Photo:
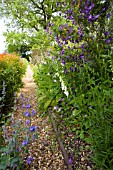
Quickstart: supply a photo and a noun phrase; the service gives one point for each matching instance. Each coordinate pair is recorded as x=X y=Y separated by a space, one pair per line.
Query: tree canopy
x=30 y=14
x=30 y=17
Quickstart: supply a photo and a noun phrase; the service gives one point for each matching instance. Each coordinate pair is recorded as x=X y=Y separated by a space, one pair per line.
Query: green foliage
x=29 y=14
x=49 y=87
x=11 y=72
x=84 y=68
x=78 y=84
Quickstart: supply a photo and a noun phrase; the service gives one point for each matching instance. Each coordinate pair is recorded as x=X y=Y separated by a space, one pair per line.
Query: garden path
x=45 y=150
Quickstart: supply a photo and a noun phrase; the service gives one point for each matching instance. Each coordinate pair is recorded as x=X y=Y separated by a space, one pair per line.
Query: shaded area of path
x=45 y=150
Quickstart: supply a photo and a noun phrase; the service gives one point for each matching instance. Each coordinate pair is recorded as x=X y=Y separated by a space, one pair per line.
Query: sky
x=2 y=38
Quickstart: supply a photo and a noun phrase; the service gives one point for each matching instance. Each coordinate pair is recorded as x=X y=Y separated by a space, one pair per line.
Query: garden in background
x=69 y=46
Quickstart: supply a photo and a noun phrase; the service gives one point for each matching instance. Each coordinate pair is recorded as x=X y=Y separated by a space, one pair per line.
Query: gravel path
x=45 y=149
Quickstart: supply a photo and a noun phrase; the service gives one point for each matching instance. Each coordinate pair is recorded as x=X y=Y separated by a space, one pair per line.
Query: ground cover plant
x=17 y=137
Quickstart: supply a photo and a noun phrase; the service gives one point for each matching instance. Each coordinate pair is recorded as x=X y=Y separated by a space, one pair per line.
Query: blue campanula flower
x=66 y=71
x=71 y=69
x=25 y=142
x=28 y=106
x=63 y=51
x=63 y=63
x=108 y=40
x=32 y=128
x=33 y=112
x=27 y=122
x=106 y=33
x=27 y=114
x=92 y=6
x=29 y=159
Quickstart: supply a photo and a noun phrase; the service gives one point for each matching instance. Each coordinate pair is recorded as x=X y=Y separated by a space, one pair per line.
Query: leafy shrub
x=49 y=87
x=11 y=72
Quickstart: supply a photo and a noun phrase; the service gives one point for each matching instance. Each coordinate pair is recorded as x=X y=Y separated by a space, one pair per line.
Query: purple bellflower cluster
x=21 y=133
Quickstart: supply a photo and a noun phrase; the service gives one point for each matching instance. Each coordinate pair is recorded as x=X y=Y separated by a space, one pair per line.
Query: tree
x=30 y=14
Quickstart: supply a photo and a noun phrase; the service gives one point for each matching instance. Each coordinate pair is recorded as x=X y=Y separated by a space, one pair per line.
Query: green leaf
x=2 y=167
x=41 y=98
x=36 y=136
x=15 y=160
x=47 y=103
x=4 y=149
x=76 y=112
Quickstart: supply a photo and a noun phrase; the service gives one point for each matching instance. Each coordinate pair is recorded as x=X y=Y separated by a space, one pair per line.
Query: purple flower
x=103 y=9
x=70 y=17
x=75 y=69
x=28 y=106
x=108 y=40
x=21 y=96
x=108 y=15
x=63 y=51
x=53 y=58
x=66 y=71
x=29 y=159
x=50 y=32
x=18 y=149
x=95 y=17
x=63 y=62
x=82 y=46
x=59 y=58
x=27 y=122
x=49 y=24
x=72 y=88
x=25 y=142
x=81 y=56
x=47 y=29
x=33 y=137
x=73 y=22
x=32 y=128
x=27 y=114
x=71 y=69
x=33 y=112
x=4 y=128
x=92 y=5
x=67 y=57
x=106 y=33
x=70 y=161
x=23 y=106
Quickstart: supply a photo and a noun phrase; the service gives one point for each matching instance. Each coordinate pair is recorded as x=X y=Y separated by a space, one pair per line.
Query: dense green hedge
x=11 y=72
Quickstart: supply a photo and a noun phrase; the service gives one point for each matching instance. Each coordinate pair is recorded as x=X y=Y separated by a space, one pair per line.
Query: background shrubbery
x=11 y=72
